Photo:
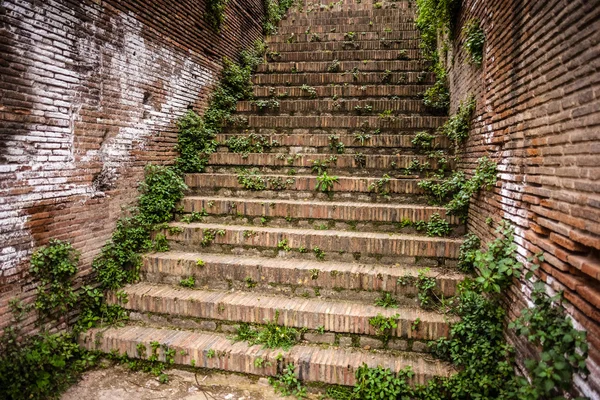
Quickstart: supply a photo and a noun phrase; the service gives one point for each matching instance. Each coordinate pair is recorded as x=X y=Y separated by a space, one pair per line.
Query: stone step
x=294 y=210
x=333 y=316
x=216 y=351
x=341 y=36
x=318 y=140
x=348 y=188
x=322 y=14
x=342 y=77
x=363 y=65
x=302 y=278
x=390 y=18
x=346 y=55
x=378 y=162
x=357 y=44
x=331 y=6
x=341 y=91
x=305 y=107
x=335 y=244
x=344 y=28
x=346 y=121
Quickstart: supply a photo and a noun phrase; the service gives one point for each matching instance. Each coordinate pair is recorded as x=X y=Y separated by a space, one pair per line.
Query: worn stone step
x=216 y=351
x=344 y=28
x=405 y=248
x=341 y=91
x=257 y=308
x=341 y=36
x=352 y=212
x=344 y=161
x=361 y=65
x=331 y=6
x=346 y=121
x=301 y=141
x=358 y=44
x=325 y=14
x=347 y=188
x=343 y=106
x=343 y=77
x=346 y=55
x=303 y=278
x=376 y=17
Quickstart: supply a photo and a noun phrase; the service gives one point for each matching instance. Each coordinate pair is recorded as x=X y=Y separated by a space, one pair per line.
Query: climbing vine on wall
x=474 y=40
x=215 y=13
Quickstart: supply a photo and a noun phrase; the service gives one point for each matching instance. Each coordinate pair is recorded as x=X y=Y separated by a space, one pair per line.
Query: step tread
x=261 y=307
x=307 y=265
x=314 y=363
x=313 y=232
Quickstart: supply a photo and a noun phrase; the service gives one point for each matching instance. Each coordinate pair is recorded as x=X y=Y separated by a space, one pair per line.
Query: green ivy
x=435 y=18
x=466 y=256
x=274 y=12
x=457 y=127
x=438 y=96
x=474 y=41
x=215 y=13
x=54 y=266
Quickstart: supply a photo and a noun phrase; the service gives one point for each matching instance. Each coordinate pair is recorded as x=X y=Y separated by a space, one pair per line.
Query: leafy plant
x=334 y=66
x=438 y=96
x=287 y=384
x=312 y=92
x=384 y=325
x=474 y=41
x=386 y=300
x=320 y=254
x=381 y=383
x=457 y=127
x=188 y=282
x=425 y=286
x=274 y=12
x=423 y=140
x=381 y=186
x=54 y=267
x=468 y=248
x=325 y=182
x=215 y=13
x=270 y=335
x=437 y=226
x=251 y=179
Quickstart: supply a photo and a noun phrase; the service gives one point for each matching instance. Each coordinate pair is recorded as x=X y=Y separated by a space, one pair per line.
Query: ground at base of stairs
x=118 y=383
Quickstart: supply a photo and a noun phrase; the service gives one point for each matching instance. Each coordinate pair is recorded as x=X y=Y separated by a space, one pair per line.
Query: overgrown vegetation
x=476 y=344
x=275 y=11
x=474 y=41
x=287 y=384
x=215 y=13
x=270 y=335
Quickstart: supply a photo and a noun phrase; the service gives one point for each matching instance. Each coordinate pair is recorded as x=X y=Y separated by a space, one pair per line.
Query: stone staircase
x=316 y=261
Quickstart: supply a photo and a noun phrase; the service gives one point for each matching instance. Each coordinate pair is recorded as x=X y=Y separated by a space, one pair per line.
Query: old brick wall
x=538 y=116
x=89 y=91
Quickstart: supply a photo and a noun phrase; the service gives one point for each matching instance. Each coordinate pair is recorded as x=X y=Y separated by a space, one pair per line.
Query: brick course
x=537 y=115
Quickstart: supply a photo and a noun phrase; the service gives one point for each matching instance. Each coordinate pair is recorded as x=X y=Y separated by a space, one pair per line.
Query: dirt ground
x=118 y=383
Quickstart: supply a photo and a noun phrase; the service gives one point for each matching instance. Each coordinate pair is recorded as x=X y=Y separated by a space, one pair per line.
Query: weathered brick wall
x=89 y=91
x=538 y=113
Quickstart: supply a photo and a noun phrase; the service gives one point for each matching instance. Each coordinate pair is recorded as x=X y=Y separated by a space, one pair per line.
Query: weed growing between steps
x=270 y=335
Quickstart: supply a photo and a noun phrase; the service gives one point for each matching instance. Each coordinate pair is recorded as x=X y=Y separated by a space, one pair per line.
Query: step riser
x=233 y=308
x=340 y=37
x=381 y=142
x=394 y=66
x=326 y=78
x=392 y=18
x=350 y=6
x=342 y=92
x=346 y=187
x=344 y=161
x=313 y=337
x=320 y=212
x=312 y=364
x=360 y=44
x=308 y=107
x=398 y=122
x=329 y=242
x=359 y=283
x=345 y=55
x=406 y=26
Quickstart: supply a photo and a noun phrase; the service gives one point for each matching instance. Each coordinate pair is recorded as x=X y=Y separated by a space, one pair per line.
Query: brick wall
x=89 y=91
x=538 y=116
